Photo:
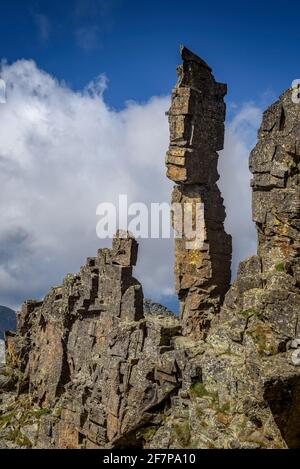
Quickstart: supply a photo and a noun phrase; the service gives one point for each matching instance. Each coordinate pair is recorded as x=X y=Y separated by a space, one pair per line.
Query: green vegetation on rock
x=182 y=432
x=279 y=267
x=198 y=390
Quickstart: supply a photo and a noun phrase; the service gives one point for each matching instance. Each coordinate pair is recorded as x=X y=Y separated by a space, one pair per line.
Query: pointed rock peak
x=189 y=56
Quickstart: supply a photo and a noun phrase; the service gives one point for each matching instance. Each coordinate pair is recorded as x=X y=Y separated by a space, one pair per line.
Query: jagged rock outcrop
x=248 y=395
x=152 y=308
x=196 y=119
x=88 y=351
x=266 y=292
x=95 y=366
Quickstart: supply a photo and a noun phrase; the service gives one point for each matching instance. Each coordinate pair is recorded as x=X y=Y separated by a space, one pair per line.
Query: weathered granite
x=87 y=350
x=196 y=119
x=247 y=393
x=156 y=309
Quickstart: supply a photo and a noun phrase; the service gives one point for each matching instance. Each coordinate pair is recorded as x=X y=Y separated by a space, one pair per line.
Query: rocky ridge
x=88 y=368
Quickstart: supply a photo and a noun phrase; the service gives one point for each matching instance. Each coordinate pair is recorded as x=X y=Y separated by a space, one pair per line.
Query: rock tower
x=196 y=119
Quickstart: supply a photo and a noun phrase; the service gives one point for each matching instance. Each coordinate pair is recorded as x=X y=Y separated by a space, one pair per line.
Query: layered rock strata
x=202 y=267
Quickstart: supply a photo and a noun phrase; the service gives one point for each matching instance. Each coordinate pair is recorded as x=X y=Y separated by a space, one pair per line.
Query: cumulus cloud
x=63 y=152
x=240 y=137
x=2 y=91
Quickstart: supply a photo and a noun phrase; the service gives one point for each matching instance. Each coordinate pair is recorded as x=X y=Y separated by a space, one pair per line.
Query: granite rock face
x=87 y=353
x=94 y=365
x=156 y=309
x=7 y=320
x=202 y=267
x=247 y=390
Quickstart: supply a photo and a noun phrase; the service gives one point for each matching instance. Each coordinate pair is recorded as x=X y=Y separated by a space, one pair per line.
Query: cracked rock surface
x=94 y=365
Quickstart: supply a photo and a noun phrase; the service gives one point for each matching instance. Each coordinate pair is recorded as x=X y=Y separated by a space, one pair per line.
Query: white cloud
x=2 y=91
x=235 y=178
x=63 y=152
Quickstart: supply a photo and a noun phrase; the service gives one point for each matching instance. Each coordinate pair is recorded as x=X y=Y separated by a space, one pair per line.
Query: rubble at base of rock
x=94 y=365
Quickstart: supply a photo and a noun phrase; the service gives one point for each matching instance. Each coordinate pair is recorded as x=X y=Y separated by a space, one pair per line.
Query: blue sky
x=253 y=46
x=63 y=150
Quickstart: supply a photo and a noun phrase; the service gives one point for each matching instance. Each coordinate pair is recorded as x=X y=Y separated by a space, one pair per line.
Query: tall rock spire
x=196 y=120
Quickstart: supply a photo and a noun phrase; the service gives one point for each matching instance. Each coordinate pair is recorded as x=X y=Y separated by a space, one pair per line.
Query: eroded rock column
x=196 y=119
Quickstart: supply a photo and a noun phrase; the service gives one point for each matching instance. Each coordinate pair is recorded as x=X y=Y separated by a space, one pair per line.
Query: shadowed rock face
x=110 y=370
x=196 y=119
x=274 y=163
